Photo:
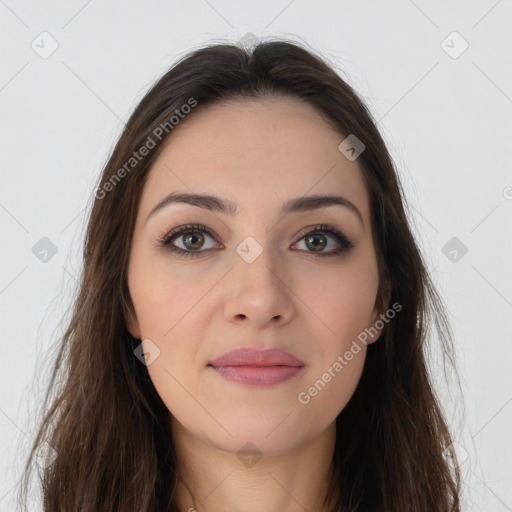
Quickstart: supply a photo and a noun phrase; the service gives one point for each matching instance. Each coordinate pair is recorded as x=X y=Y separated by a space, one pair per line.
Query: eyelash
x=345 y=243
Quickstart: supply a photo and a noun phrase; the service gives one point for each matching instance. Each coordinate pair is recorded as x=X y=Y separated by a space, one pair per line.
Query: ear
x=379 y=318
x=377 y=322
x=132 y=325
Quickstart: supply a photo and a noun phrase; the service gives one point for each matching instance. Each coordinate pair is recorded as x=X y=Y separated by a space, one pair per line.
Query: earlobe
x=379 y=317
x=132 y=325
x=376 y=326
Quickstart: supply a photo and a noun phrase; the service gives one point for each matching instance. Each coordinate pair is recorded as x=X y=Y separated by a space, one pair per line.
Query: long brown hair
x=103 y=417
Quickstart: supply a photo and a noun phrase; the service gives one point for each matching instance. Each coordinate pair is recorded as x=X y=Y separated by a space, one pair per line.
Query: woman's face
x=255 y=278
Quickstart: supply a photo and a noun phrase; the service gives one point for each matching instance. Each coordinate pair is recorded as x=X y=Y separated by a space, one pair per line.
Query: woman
x=251 y=323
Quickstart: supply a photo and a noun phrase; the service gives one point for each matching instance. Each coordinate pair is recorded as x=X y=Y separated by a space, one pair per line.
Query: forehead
x=257 y=152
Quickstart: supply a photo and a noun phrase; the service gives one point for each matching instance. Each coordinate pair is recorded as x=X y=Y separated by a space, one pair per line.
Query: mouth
x=258 y=375
x=255 y=367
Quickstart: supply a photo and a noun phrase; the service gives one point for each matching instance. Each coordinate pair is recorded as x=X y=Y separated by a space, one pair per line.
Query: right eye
x=192 y=238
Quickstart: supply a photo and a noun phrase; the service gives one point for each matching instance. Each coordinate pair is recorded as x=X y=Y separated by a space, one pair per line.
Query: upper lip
x=248 y=356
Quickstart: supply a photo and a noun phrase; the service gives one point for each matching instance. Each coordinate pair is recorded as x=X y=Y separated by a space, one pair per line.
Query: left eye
x=318 y=240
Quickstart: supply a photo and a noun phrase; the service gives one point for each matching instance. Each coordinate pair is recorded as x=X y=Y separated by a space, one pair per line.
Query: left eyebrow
x=213 y=203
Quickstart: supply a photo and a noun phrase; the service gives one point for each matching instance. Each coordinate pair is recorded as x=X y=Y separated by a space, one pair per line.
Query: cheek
x=163 y=297
x=345 y=308
x=330 y=390
x=345 y=301
x=168 y=308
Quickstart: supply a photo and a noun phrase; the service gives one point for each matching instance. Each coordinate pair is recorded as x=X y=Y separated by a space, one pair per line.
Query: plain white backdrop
x=436 y=75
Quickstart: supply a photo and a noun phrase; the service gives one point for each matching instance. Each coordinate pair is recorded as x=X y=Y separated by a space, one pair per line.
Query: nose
x=259 y=293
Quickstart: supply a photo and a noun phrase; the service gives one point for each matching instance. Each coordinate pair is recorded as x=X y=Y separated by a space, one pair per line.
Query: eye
x=317 y=239
x=191 y=237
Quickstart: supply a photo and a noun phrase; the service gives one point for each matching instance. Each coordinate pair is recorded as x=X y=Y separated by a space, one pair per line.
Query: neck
x=213 y=479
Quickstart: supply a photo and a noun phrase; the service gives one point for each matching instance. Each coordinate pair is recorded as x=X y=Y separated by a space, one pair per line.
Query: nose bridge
x=256 y=264
x=259 y=291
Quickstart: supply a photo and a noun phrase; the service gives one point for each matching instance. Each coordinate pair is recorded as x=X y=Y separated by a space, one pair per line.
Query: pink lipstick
x=257 y=367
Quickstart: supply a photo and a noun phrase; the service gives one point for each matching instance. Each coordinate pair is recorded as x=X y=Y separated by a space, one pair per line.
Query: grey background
x=445 y=114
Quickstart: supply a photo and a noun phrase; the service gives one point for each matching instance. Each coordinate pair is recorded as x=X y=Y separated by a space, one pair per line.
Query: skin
x=257 y=153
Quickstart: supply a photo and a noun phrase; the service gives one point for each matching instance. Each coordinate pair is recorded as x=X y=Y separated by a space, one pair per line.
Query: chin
x=270 y=437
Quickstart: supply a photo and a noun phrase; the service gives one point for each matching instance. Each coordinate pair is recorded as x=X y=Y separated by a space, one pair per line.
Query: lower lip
x=258 y=375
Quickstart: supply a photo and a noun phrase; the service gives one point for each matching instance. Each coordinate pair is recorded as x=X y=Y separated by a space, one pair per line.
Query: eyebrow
x=216 y=204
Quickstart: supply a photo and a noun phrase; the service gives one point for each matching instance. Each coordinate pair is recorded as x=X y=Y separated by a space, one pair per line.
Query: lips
x=253 y=367
x=257 y=358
